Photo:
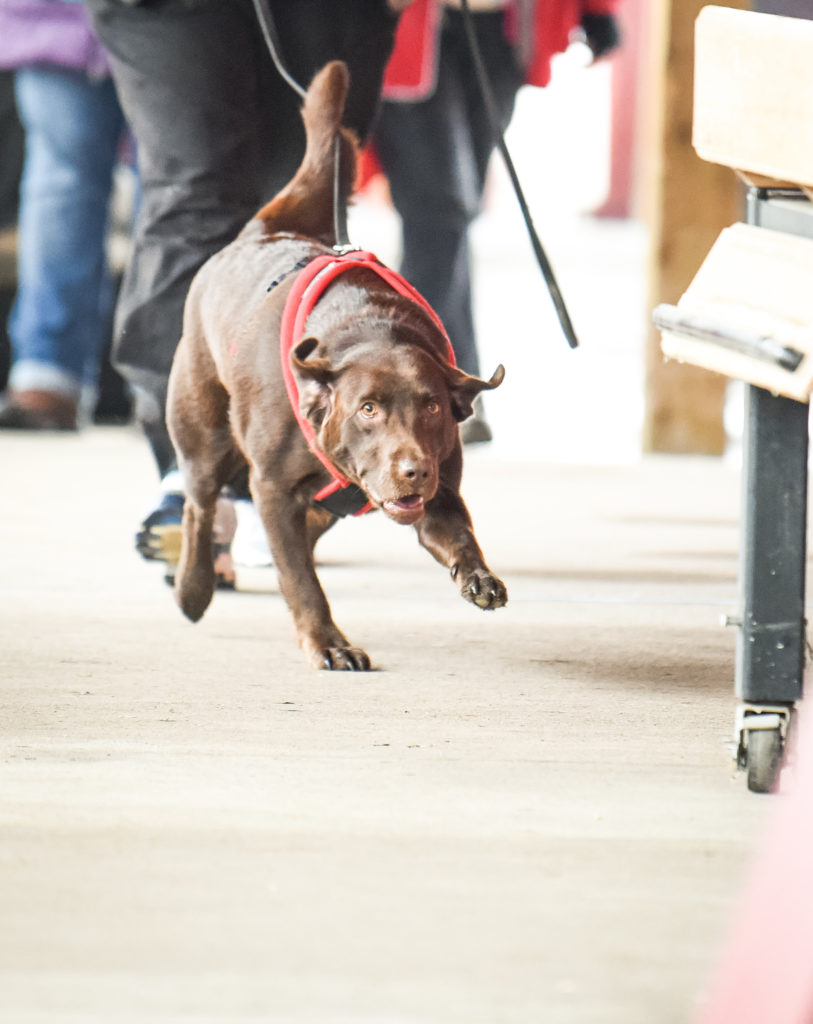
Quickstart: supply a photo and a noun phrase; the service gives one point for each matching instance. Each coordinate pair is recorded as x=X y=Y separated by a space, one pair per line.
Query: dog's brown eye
x=369 y=409
x=433 y=407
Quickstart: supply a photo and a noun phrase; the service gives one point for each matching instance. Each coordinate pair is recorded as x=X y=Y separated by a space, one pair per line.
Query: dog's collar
x=341 y=497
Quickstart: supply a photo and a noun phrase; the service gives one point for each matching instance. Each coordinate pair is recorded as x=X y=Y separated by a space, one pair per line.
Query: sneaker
x=159 y=538
x=251 y=541
x=224 y=530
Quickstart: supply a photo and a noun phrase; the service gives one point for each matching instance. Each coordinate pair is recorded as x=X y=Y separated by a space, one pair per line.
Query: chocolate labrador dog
x=333 y=380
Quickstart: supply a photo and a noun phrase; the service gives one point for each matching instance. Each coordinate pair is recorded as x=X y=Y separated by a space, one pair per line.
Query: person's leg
x=192 y=103
x=311 y=35
x=11 y=151
x=188 y=79
x=72 y=128
x=436 y=155
x=505 y=79
x=426 y=154
x=504 y=76
x=217 y=131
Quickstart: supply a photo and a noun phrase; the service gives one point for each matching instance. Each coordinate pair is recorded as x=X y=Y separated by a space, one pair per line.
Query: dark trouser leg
x=425 y=151
x=435 y=154
x=186 y=98
x=217 y=131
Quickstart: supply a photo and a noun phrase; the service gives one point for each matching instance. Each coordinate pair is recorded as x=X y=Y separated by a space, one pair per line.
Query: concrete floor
x=523 y=816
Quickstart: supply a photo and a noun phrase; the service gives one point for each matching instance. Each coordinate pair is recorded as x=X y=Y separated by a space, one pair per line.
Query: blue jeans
x=73 y=126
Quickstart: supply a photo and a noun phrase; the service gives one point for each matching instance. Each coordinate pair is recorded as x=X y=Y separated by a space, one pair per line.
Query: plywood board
x=754 y=282
x=753 y=93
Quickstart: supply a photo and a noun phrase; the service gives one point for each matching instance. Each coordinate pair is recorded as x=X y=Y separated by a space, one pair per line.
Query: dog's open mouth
x=405 y=510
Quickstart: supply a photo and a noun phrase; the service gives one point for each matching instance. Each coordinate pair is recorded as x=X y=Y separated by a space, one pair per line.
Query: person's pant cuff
x=33 y=375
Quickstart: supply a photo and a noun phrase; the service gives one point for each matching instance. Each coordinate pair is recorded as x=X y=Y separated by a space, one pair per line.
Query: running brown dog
x=376 y=390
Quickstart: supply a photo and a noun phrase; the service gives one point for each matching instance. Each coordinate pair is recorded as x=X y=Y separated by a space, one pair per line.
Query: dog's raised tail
x=305 y=205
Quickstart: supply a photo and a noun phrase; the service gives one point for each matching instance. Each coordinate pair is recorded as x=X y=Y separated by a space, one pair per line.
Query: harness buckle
x=347 y=247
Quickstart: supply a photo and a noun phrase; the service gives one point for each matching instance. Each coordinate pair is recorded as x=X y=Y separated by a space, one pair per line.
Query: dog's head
x=386 y=417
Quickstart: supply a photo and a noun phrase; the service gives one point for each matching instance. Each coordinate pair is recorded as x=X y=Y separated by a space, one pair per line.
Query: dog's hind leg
x=195 y=577
x=208 y=459
x=204 y=479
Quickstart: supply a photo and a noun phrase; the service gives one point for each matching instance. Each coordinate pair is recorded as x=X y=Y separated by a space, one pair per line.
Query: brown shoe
x=38 y=410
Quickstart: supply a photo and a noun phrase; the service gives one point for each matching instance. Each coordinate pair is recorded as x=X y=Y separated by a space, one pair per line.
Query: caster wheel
x=764 y=753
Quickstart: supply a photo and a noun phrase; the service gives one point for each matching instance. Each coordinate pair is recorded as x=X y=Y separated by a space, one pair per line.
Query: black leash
x=269 y=30
x=343 y=244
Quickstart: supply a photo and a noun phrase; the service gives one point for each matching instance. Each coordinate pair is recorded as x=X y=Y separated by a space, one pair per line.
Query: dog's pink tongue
x=412 y=501
x=409 y=508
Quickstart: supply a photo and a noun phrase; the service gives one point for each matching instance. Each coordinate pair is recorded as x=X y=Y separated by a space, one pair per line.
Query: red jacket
x=410 y=73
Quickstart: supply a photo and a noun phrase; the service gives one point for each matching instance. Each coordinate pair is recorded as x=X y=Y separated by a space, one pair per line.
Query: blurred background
x=554 y=398
x=626 y=211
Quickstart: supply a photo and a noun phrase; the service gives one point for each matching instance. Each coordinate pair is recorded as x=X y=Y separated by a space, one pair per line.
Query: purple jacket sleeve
x=51 y=32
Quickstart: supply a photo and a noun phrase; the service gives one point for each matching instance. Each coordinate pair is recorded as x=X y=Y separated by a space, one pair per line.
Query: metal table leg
x=771 y=642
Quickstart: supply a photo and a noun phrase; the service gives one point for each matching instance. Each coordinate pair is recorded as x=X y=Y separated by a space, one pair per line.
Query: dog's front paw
x=482 y=589
x=346 y=659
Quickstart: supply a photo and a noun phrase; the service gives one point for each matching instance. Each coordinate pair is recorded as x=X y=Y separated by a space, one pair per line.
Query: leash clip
x=343 y=250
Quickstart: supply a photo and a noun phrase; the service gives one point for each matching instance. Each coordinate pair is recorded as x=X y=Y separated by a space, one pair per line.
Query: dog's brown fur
x=374 y=382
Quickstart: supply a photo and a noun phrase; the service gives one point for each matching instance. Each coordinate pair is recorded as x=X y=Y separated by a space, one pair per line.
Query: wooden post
x=688 y=203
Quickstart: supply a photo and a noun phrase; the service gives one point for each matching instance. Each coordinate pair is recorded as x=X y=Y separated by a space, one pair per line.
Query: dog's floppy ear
x=315 y=376
x=315 y=368
x=463 y=389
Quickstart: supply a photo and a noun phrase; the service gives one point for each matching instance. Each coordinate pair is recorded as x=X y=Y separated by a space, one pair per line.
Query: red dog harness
x=341 y=497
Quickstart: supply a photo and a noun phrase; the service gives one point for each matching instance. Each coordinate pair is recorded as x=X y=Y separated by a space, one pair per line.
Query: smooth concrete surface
x=523 y=817
x=528 y=816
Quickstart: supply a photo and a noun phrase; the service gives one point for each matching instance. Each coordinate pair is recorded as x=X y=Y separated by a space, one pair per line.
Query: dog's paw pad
x=484 y=590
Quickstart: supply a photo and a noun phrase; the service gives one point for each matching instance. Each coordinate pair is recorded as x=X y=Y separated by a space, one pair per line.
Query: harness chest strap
x=341 y=496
